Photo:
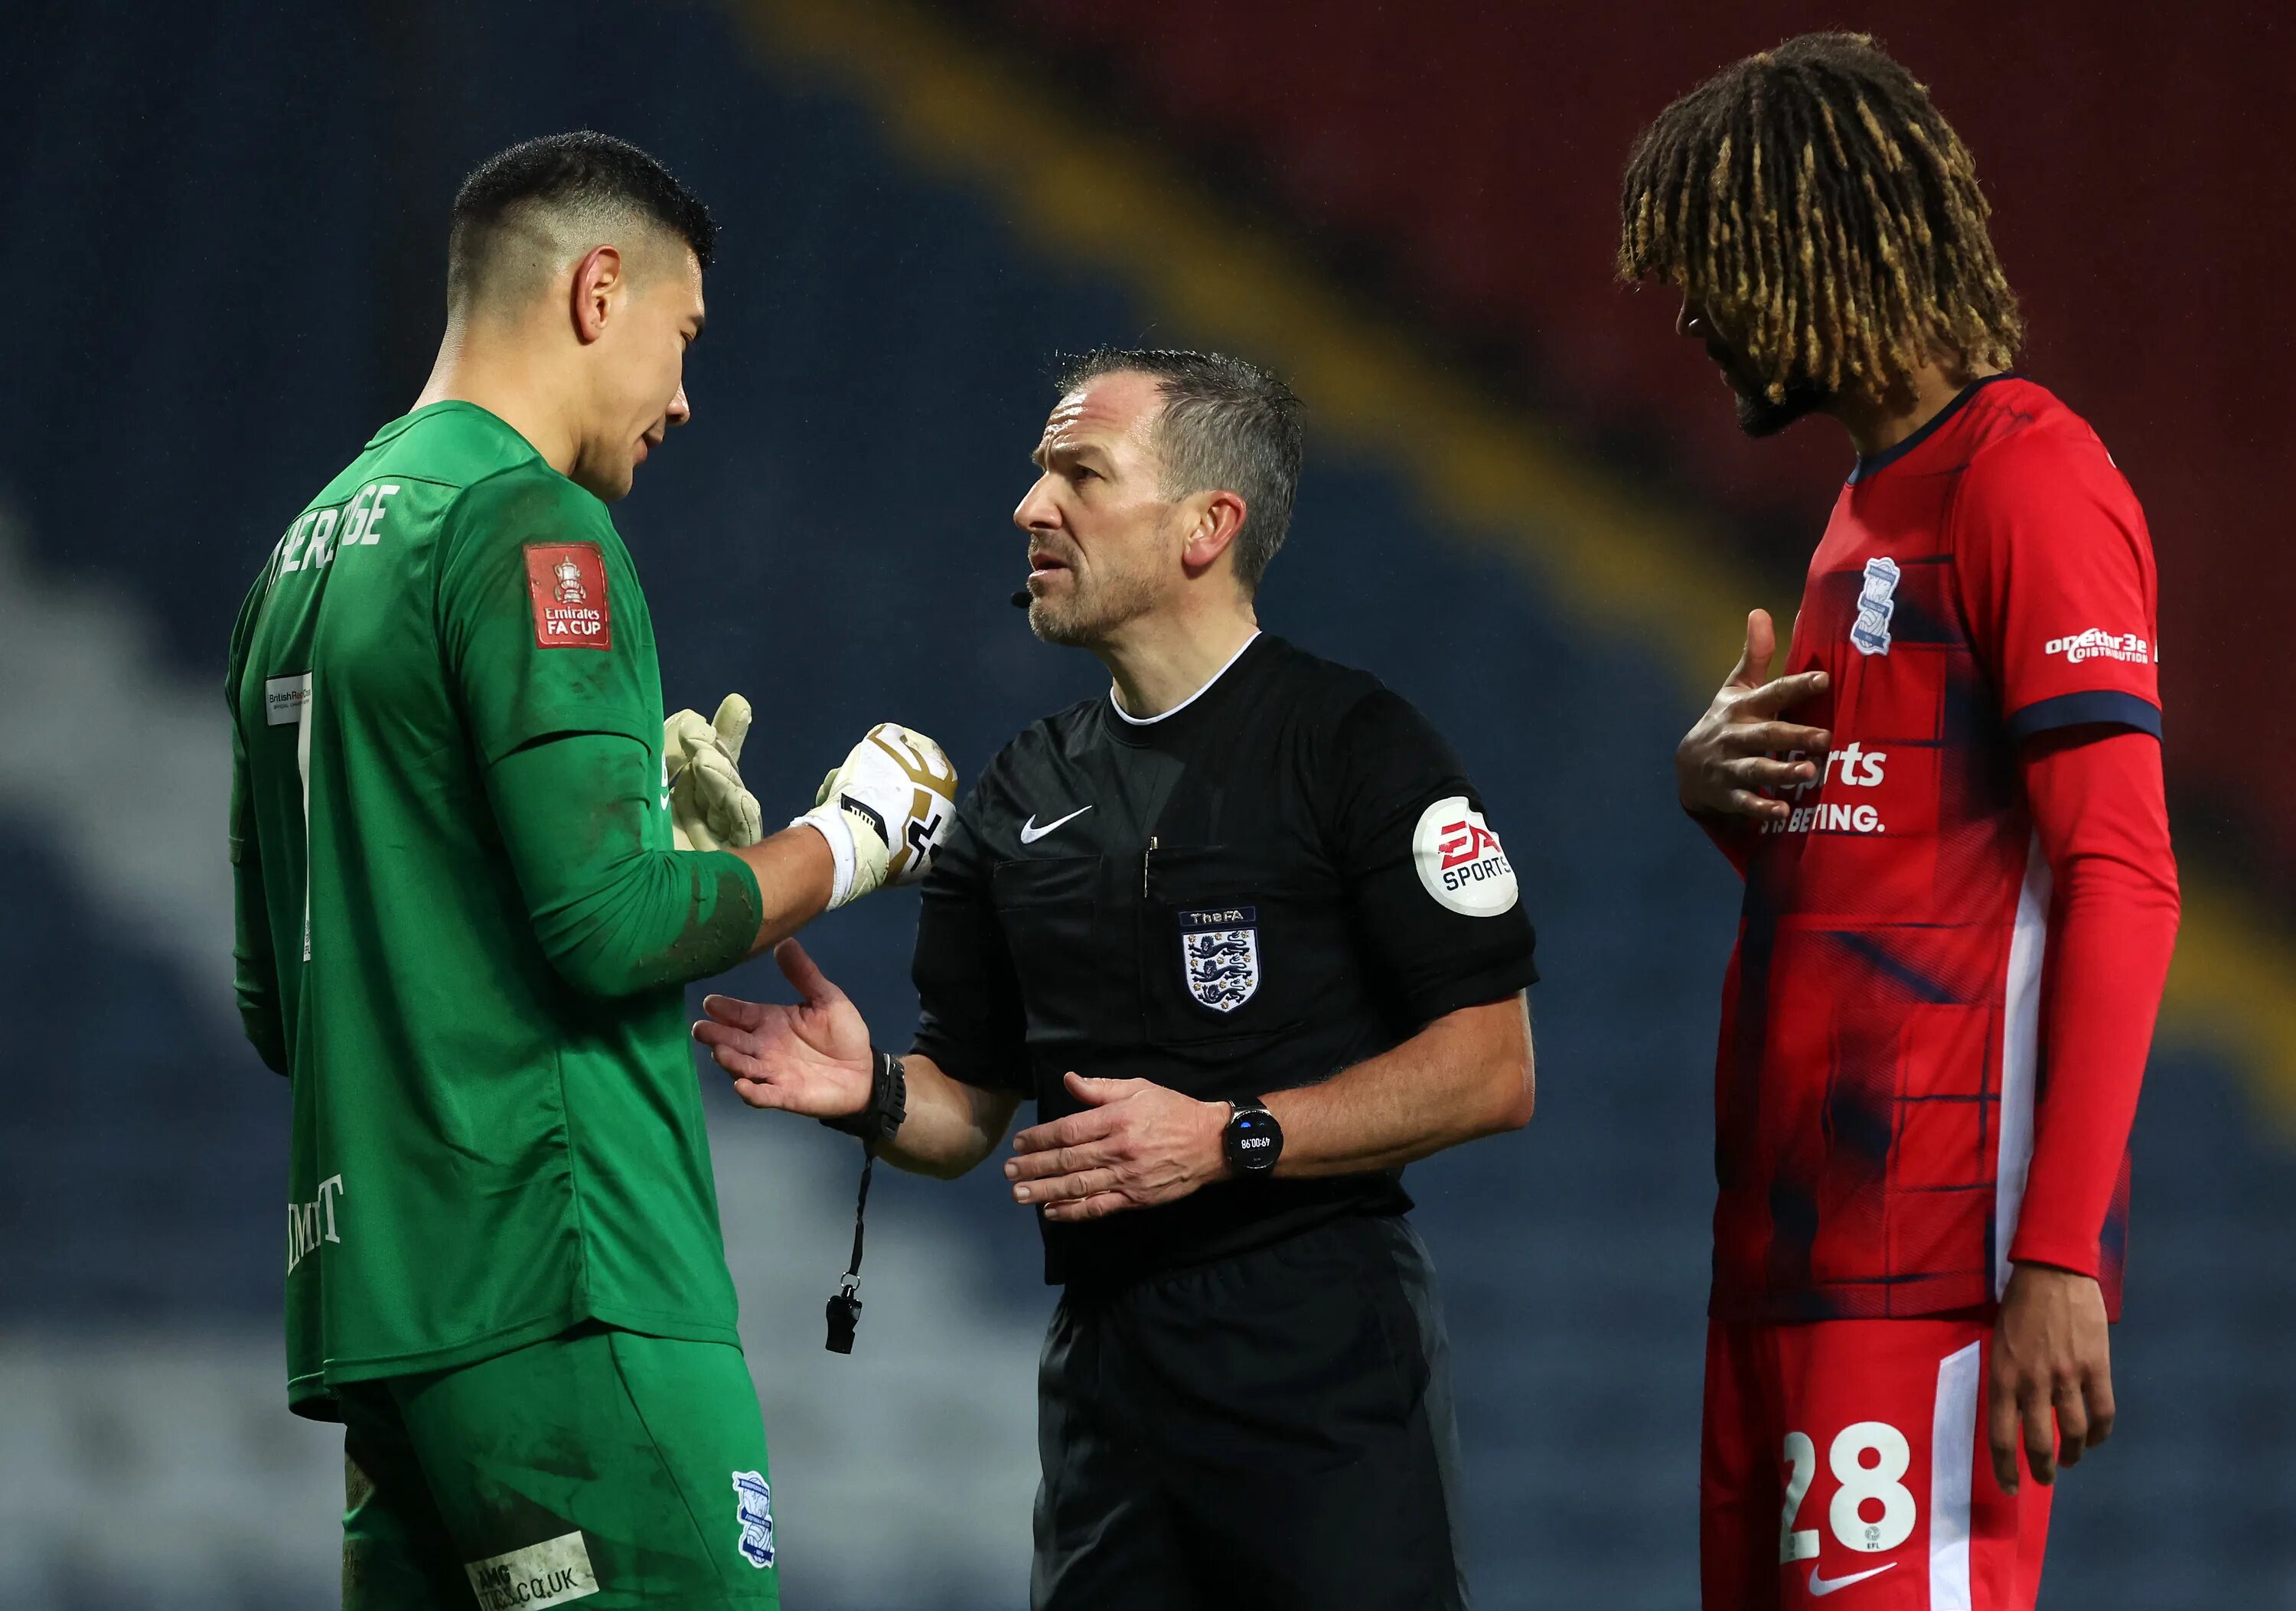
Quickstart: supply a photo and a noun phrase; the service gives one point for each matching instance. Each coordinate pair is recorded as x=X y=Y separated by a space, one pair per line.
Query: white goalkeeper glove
x=885 y=811
x=708 y=808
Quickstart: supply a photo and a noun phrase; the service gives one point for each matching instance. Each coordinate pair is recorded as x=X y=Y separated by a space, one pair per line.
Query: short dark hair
x=583 y=170
x=1816 y=191
x=1225 y=424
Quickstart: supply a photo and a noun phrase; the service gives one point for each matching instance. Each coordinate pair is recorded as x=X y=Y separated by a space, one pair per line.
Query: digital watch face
x=1254 y=1141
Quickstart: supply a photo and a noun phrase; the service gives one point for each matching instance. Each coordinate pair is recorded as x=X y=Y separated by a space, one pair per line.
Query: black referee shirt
x=1283 y=876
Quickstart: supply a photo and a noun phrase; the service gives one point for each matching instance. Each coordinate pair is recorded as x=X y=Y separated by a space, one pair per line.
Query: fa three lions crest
x=1219 y=955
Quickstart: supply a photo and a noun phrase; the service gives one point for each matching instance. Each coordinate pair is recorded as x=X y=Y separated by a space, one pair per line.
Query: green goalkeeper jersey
x=448 y=798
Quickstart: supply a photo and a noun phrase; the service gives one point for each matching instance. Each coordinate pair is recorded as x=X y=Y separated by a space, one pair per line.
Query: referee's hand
x=1724 y=761
x=811 y=1059
x=1136 y=1144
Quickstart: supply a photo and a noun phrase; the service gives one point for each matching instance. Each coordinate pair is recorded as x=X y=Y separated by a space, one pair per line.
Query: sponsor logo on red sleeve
x=568 y=584
x=2097 y=644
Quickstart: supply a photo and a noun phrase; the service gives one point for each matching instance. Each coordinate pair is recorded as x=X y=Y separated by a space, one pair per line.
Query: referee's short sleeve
x=971 y=1021
x=1435 y=904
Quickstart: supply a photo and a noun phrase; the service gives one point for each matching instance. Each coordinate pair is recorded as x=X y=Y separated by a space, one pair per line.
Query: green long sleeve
x=613 y=914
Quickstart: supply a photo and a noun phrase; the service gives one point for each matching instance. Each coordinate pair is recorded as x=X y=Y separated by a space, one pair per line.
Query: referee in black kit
x=1241 y=932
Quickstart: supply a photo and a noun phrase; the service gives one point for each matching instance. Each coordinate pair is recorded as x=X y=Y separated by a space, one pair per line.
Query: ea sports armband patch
x=568 y=584
x=1460 y=862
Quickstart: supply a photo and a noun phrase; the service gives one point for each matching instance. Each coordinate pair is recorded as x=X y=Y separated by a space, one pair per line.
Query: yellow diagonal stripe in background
x=1619 y=560
x=1087 y=195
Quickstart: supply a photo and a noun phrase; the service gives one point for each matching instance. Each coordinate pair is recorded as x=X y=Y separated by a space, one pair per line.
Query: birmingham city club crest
x=1877 y=602
x=753 y=1499
x=1219 y=953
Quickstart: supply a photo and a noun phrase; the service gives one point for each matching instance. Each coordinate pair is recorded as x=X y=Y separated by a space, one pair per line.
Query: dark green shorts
x=600 y=1466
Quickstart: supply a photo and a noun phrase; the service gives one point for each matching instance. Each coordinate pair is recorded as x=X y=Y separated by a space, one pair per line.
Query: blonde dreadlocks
x=1814 y=201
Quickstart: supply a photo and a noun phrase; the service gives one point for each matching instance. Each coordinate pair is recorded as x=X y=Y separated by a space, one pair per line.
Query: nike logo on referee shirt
x=1031 y=833
x=1819 y=1587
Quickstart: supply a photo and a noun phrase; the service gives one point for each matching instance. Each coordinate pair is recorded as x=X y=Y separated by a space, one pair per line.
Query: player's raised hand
x=1735 y=749
x=2050 y=1386
x=885 y=811
x=710 y=809
x=1137 y=1144
x=812 y=1057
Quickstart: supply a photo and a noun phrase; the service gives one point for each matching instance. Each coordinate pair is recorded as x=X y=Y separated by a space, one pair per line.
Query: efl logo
x=1460 y=862
x=568 y=584
x=2097 y=644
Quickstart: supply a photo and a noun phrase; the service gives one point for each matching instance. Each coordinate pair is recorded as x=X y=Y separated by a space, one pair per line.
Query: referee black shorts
x=1272 y=1430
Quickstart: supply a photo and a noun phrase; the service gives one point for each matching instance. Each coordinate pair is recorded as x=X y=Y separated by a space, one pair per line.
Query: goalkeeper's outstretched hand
x=709 y=810
x=885 y=811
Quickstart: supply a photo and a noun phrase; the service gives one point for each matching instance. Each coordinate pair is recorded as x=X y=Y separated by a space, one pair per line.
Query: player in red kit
x=1960 y=895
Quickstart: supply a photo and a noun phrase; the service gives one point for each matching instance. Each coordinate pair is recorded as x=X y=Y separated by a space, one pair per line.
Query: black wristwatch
x=1253 y=1139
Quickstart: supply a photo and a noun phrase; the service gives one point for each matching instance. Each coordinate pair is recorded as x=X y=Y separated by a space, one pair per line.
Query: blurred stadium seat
x=206 y=200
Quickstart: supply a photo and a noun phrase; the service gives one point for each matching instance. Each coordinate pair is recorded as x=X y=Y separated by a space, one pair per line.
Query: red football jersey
x=1988 y=579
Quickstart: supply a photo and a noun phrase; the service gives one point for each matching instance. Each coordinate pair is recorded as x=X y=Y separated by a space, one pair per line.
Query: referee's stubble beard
x=1081 y=609
x=1107 y=549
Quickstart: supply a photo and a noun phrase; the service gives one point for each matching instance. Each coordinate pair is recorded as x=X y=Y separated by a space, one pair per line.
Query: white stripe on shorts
x=1953 y=1464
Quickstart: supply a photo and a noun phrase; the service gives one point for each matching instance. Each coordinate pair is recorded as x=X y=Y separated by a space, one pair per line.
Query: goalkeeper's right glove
x=885 y=811
x=709 y=810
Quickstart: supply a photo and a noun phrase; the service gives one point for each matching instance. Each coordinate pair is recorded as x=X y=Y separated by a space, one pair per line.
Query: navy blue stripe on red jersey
x=2088 y=705
x=1919 y=985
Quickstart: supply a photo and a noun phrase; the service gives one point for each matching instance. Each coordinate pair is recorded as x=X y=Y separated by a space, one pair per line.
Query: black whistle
x=844 y=1315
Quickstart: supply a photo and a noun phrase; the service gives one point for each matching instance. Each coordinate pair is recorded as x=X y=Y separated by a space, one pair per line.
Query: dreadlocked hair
x=1814 y=201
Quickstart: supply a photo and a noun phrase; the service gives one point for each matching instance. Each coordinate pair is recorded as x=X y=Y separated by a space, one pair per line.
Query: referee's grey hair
x=1226 y=425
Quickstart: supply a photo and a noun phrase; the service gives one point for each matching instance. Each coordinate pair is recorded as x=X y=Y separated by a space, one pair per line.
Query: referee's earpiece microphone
x=1020 y=598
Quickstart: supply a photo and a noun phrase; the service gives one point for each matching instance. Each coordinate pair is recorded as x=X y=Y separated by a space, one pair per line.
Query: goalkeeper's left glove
x=885 y=811
x=709 y=810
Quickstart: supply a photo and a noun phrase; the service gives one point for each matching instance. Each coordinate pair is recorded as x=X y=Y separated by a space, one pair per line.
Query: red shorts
x=1849 y=1456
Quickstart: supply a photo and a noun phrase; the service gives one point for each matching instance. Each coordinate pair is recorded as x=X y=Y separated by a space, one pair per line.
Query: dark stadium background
x=1524 y=508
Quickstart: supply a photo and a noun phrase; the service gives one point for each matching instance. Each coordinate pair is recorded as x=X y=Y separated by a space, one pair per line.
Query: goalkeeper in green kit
x=467 y=908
